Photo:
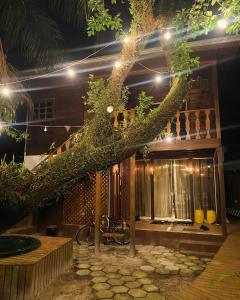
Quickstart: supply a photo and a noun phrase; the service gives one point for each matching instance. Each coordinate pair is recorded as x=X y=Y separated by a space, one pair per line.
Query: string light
x=117 y=64
x=222 y=23
x=71 y=73
x=167 y=35
x=168 y=139
x=110 y=109
x=5 y=92
x=45 y=129
x=158 y=78
x=126 y=40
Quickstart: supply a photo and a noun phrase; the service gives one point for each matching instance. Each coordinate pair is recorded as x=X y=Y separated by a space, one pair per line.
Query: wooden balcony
x=190 y=129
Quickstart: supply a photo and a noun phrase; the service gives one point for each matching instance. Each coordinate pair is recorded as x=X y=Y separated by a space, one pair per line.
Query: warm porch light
x=169 y=139
x=110 y=109
x=117 y=64
x=45 y=129
x=222 y=23
x=158 y=78
x=5 y=92
x=167 y=35
x=126 y=40
x=71 y=73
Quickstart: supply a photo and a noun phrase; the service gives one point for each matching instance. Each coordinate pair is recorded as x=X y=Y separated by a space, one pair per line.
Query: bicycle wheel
x=85 y=235
x=126 y=231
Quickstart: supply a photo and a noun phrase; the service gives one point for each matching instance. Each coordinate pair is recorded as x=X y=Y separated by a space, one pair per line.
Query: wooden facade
x=194 y=132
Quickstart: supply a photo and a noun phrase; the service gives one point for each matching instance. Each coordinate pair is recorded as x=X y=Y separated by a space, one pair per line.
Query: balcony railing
x=186 y=125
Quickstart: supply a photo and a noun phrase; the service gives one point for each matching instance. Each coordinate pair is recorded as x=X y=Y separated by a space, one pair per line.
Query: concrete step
x=199 y=246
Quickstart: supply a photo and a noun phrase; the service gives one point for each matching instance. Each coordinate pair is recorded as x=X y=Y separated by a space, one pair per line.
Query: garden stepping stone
x=96 y=263
x=101 y=286
x=150 y=288
x=96 y=268
x=173 y=269
x=139 y=274
x=114 y=281
x=133 y=284
x=119 y=289
x=110 y=269
x=127 y=278
x=97 y=273
x=83 y=266
x=99 y=279
x=122 y=297
x=154 y=296
x=147 y=268
x=125 y=272
x=137 y=293
x=162 y=271
x=113 y=275
x=104 y=294
x=186 y=272
x=145 y=281
x=83 y=272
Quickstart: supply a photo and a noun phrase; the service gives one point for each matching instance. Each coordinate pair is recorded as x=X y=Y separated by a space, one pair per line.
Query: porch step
x=199 y=246
x=198 y=253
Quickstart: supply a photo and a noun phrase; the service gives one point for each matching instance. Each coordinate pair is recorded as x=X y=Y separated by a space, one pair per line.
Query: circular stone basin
x=14 y=245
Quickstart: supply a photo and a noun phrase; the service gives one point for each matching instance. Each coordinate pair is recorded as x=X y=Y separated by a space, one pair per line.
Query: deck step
x=200 y=246
x=113 y=234
x=198 y=253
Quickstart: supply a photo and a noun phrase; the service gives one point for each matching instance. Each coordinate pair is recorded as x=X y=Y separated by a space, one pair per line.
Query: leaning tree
x=98 y=145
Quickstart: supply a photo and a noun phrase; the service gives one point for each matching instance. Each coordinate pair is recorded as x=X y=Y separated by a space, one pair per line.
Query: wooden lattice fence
x=79 y=204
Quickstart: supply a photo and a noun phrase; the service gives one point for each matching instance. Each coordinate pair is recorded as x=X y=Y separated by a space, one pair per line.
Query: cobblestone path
x=153 y=274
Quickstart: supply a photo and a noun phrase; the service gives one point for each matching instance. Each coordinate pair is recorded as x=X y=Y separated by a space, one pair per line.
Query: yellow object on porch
x=199 y=216
x=211 y=216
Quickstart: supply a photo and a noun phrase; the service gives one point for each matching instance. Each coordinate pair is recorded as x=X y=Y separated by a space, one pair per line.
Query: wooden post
x=152 y=190
x=222 y=190
x=132 y=205
x=97 y=213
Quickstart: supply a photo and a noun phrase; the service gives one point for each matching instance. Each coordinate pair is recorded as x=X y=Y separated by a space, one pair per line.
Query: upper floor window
x=44 y=109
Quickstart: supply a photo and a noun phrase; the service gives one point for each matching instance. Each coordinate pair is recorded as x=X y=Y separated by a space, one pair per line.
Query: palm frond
x=73 y=12
x=24 y=24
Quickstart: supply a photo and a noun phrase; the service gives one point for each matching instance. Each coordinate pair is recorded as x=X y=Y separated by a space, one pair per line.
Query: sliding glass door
x=179 y=186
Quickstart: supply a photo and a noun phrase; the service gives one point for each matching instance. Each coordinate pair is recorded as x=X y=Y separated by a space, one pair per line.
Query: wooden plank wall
x=23 y=277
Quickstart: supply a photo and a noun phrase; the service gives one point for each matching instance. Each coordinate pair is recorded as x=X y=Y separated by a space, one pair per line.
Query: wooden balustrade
x=186 y=125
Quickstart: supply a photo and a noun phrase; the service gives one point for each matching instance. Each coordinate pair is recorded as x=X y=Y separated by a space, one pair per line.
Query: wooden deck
x=221 y=279
x=24 y=276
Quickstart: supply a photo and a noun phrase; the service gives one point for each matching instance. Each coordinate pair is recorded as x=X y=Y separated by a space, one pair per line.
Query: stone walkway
x=153 y=274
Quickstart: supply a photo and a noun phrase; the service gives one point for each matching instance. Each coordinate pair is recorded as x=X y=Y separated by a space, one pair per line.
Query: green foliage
x=100 y=18
x=16 y=134
x=181 y=59
x=145 y=103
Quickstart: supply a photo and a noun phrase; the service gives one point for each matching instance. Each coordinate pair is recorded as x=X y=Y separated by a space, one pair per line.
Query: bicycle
x=111 y=230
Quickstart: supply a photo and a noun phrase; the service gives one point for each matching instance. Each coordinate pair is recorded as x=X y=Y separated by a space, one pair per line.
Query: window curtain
x=143 y=190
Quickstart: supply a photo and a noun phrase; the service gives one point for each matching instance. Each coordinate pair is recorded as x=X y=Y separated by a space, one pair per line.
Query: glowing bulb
x=168 y=139
x=151 y=170
x=6 y=92
x=167 y=35
x=110 y=109
x=45 y=129
x=71 y=73
x=158 y=78
x=209 y=166
x=222 y=23
x=117 y=64
x=126 y=40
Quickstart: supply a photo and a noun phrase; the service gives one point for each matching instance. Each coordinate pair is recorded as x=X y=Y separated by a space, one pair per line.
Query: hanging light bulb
x=5 y=92
x=71 y=73
x=126 y=40
x=117 y=64
x=158 y=78
x=168 y=139
x=222 y=23
x=45 y=129
x=167 y=35
x=110 y=109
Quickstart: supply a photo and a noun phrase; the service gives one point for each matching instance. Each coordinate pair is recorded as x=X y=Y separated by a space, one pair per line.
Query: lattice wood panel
x=79 y=204
x=125 y=188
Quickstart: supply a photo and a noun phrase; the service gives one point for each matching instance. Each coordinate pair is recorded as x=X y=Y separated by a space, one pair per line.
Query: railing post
x=178 y=127
x=208 y=125
x=132 y=205
x=197 y=124
x=187 y=126
x=168 y=128
x=115 y=124
x=59 y=150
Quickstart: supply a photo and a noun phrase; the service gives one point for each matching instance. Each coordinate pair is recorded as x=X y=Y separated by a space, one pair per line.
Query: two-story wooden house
x=176 y=175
